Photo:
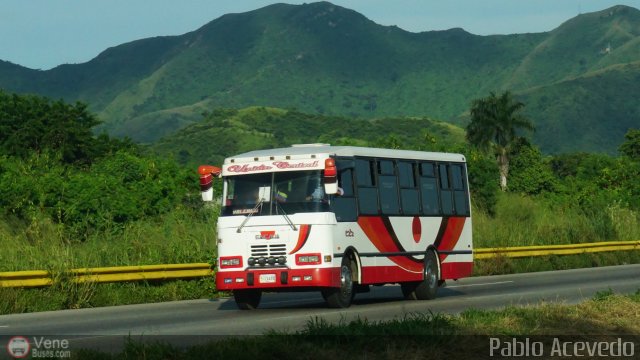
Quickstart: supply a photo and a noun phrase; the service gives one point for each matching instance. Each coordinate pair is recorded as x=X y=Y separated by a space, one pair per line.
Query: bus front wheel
x=247 y=299
x=341 y=297
x=428 y=287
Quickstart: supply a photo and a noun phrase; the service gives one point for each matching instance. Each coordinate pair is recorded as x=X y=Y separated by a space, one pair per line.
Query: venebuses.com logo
x=18 y=347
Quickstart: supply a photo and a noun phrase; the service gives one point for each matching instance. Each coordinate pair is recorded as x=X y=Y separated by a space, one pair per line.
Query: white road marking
x=483 y=284
x=4 y=326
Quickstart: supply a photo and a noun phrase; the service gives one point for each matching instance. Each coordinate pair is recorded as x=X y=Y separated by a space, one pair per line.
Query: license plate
x=267 y=278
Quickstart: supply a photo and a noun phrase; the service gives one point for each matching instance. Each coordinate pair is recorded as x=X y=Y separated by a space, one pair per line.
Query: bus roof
x=325 y=150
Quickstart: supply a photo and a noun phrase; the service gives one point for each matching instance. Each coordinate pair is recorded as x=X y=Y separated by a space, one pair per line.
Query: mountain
x=579 y=81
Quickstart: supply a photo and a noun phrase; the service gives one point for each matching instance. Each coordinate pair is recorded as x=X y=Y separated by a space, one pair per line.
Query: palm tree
x=495 y=121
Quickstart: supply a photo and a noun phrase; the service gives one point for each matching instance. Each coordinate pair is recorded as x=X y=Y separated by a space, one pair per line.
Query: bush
x=113 y=191
x=529 y=173
x=483 y=181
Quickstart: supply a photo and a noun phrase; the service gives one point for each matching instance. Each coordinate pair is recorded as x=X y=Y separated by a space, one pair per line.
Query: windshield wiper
x=286 y=217
x=253 y=211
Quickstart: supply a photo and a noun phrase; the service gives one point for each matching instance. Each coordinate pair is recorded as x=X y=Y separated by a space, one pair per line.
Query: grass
x=188 y=235
x=183 y=236
x=606 y=317
x=523 y=221
x=69 y=295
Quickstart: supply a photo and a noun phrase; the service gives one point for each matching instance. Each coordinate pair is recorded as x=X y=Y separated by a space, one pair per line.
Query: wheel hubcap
x=430 y=275
x=345 y=281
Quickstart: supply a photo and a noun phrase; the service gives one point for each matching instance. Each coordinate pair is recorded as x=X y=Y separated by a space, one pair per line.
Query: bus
x=339 y=219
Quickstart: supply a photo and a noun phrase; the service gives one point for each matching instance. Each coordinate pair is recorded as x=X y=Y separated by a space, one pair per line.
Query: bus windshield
x=289 y=193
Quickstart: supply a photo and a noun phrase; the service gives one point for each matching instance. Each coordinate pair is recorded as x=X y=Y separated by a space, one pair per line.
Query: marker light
x=330 y=176
x=206 y=187
x=207 y=172
x=330 y=170
x=209 y=169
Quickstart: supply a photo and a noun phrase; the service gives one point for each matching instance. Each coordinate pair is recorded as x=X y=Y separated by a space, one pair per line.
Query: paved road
x=291 y=311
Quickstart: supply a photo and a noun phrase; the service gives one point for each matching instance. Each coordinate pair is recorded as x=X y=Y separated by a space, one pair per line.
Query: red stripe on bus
x=451 y=235
x=303 y=236
x=379 y=235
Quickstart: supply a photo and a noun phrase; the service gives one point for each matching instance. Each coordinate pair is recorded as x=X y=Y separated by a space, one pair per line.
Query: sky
x=41 y=34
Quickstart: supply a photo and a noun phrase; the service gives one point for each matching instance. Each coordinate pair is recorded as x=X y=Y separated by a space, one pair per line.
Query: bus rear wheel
x=426 y=289
x=341 y=297
x=247 y=299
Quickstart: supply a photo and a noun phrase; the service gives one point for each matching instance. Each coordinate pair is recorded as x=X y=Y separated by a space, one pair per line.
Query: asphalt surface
x=105 y=328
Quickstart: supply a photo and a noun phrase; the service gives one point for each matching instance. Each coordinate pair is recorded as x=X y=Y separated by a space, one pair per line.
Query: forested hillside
x=227 y=132
x=579 y=80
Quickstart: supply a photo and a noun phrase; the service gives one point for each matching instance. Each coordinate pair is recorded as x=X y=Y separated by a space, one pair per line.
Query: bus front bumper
x=277 y=278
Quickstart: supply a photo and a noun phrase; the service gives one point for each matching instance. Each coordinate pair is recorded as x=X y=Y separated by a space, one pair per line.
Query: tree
x=529 y=172
x=34 y=123
x=390 y=141
x=495 y=121
x=631 y=146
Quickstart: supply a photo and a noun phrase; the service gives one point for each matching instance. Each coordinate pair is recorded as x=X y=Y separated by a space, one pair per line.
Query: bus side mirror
x=330 y=177
x=206 y=187
x=207 y=172
x=331 y=189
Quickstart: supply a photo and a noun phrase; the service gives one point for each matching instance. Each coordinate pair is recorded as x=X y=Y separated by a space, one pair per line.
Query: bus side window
x=388 y=188
x=429 y=189
x=364 y=173
x=367 y=191
x=446 y=195
x=344 y=206
x=345 y=177
x=409 y=199
x=229 y=193
x=460 y=197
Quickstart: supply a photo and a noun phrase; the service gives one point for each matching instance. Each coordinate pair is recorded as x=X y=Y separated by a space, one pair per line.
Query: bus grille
x=269 y=250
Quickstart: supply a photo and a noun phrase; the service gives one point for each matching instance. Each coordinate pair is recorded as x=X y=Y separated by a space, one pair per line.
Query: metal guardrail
x=39 y=278
x=546 y=250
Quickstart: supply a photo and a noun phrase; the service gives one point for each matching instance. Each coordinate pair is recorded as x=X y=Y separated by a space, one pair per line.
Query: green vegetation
x=416 y=335
x=226 y=132
x=68 y=295
x=579 y=81
x=585 y=113
x=631 y=146
x=70 y=199
x=495 y=121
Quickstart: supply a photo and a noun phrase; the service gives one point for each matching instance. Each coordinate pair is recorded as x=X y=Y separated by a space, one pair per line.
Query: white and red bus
x=340 y=218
